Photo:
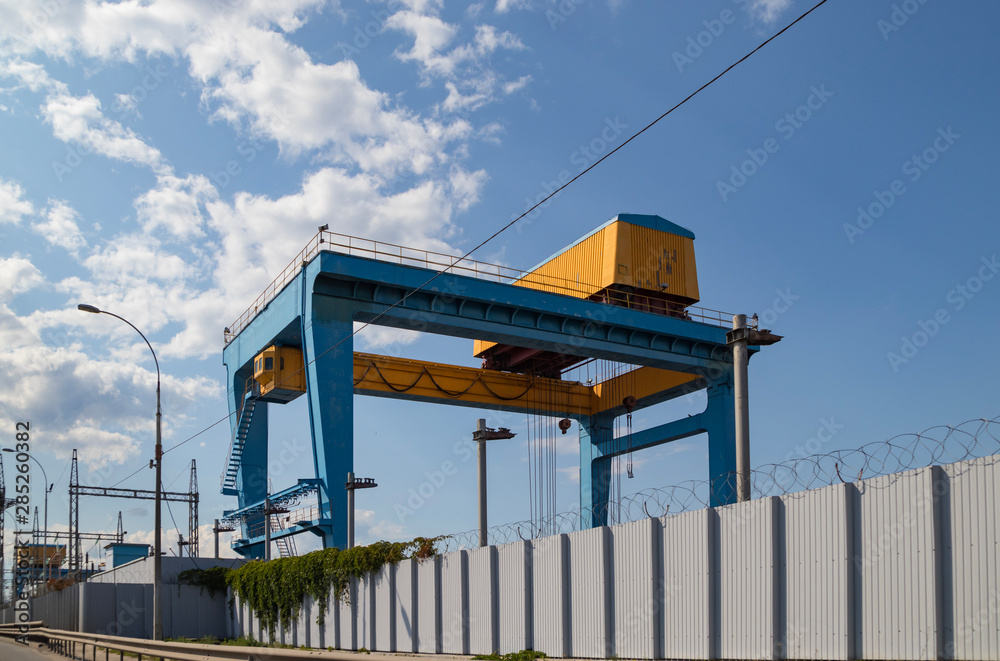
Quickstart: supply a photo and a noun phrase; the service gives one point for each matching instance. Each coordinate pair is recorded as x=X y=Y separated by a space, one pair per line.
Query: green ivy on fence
x=274 y=590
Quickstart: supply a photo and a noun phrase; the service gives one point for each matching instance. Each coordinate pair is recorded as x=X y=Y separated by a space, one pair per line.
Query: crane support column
x=741 y=395
x=329 y=361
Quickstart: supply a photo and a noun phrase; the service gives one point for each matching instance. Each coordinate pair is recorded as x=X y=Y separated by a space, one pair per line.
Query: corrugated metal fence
x=126 y=609
x=904 y=566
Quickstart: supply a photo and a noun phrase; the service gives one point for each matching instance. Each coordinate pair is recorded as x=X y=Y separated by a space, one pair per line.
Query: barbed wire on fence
x=939 y=445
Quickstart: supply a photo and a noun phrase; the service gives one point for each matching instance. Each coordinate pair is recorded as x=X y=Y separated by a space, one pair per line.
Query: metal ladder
x=239 y=439
x=286 y=545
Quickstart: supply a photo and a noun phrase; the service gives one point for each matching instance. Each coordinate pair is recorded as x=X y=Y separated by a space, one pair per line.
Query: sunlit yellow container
x=280 y=373
x=643 y=262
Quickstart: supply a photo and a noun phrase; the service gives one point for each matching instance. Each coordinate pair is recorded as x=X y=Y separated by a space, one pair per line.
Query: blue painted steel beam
x=461 y=306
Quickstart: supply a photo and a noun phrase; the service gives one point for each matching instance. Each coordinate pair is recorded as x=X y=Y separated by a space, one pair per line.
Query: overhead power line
x=538 y=204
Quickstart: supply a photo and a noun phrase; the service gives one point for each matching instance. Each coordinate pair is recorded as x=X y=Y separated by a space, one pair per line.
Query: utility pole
x=481 y=435
x=267 y=529
x=217 y=529
x=740 y=338
x=351 y=485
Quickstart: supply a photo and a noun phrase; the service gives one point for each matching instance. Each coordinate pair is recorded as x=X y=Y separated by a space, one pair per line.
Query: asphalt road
x=11 y=651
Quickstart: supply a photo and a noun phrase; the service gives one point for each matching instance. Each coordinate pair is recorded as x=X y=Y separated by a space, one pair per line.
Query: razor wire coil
x=943 y=444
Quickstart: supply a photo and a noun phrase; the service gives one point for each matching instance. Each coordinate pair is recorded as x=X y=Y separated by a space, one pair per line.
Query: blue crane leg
x=596 y=432
x=719 y=419
x=330 y=392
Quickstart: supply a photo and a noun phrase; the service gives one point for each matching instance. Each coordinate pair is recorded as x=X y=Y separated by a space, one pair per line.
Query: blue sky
x=165 y=159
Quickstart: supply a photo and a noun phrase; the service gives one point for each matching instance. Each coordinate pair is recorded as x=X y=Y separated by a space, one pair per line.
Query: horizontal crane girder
x=402 y=378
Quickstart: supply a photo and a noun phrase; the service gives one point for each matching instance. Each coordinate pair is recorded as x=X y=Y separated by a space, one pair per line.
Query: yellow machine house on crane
x=638 y=261
x=279 y=373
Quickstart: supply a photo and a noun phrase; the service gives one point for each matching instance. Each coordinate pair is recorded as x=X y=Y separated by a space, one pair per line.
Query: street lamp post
x=158 y=454
x=45 y=535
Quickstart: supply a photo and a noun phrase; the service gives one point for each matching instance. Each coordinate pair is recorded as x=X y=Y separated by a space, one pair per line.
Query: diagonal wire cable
x=544 y=200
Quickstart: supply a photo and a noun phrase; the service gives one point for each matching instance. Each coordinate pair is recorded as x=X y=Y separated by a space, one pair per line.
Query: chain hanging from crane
x=629 y=404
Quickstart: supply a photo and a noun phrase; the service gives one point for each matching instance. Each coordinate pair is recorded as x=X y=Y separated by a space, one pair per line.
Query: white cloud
x=470 y=81
x=79 y=120
x=18 y=275
x=100 y=406
x=431 y=35
x=250 y=74
x=133 y=259
x=13 y=206
x=504 y=6
x=466 y=186
x=176 y=205
x=368 y=530
x=515 y=85
x=768 y=10
x=389 y=340
x=60 y=227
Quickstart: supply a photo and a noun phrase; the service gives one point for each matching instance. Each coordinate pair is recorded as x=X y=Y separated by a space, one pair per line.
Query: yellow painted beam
x=641 y=383
x=417 y=379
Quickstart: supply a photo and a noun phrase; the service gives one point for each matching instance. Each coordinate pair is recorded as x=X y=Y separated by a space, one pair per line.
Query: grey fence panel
x=687 y=560
x=514 y=597
x=365 y=613
x=747 y=580
x=59 y=609
x=896 y=557
x=405 y=610
x=384 y=589
x=550 y=593
x=818 y=572
x=484 y=619
x=327 y=631
x=429 y=606
x=590 y=593
x=896 y=567
x=188 y=611
x=635 y=550
x=130 y=618
x=347 y=631
x=973 y=543
x=455 y=603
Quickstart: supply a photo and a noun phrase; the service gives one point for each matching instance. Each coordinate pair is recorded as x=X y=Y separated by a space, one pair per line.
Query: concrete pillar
x=741 y=395
x=481 y=455
x=350 y=510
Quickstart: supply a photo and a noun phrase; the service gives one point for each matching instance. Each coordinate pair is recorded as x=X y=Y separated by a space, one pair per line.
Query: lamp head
x=88 y=308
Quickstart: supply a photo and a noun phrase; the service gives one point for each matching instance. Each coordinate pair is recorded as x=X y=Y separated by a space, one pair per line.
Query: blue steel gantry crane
x=624 y=292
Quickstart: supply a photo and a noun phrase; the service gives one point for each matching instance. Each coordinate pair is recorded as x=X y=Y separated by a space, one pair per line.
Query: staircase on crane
x=286 y=545
x=236 y=446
